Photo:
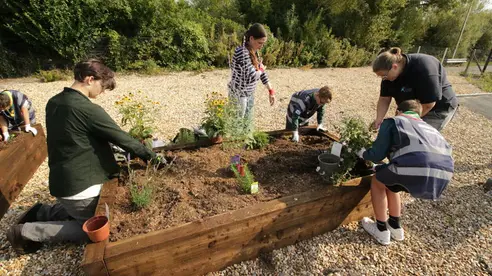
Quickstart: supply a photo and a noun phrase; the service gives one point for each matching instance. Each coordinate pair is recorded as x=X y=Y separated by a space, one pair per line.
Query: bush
x=148 y=67
x=257 y=140
x=53 y=75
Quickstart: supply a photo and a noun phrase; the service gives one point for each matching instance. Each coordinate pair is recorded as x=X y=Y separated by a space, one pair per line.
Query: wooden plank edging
x=219 y=241
x=18 y=163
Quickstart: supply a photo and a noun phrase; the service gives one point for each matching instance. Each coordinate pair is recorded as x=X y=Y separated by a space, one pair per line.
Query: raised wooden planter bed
x=216 y=242
x=19 y=160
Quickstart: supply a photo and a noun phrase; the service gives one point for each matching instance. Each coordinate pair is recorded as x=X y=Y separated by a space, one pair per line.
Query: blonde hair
x=386 y=59
x=325 y=93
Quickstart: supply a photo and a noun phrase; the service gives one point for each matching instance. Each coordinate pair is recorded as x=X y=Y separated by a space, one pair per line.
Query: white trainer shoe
x=383 y=237
x=396 y=234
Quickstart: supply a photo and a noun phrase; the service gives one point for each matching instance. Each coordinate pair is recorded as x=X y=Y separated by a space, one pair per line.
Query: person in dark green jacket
x=80 y=160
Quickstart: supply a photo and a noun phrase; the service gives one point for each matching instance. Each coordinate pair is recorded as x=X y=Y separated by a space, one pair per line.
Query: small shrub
x=141 y=195
x=245 y=180
x=257 y=140
x=147 y=67
x=184 y=136
x=354 y=135
x=52 y=75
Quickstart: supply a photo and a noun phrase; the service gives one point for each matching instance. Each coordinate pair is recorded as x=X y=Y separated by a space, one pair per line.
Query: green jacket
x=79 y=155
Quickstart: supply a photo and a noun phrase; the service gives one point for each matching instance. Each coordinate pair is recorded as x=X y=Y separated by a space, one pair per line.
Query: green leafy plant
x=52 y=75
x=244 y=179
x=141 y=195
x=137 y=113
x=354 y=135
x=257 y=140
x=141 y=190
x=214 y=121
x=184 y=136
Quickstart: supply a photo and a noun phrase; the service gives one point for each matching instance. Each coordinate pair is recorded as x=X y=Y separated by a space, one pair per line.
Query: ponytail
x=386 y=59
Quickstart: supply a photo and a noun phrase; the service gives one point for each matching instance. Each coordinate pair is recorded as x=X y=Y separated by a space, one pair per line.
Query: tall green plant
x=137 y=112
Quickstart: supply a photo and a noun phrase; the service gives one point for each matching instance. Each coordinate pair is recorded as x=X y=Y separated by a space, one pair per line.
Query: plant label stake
x=336 y=149
x=254 y=187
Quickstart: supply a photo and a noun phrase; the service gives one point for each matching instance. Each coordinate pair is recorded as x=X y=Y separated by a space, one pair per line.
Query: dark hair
x=95 y=68
x=325 y=93
x=256 y=31
x=410 y=105
x=386 y=59
x=4 y=99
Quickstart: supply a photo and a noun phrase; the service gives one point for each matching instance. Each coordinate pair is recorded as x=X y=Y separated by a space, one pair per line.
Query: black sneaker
x=30 y=214
x=20 y=245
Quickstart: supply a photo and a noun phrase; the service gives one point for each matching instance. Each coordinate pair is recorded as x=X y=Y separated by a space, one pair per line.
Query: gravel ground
x=452 y=236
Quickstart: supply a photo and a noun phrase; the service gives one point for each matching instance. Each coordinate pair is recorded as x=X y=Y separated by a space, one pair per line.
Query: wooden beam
x=18 y=163
x=219 y=241
x=93 y=262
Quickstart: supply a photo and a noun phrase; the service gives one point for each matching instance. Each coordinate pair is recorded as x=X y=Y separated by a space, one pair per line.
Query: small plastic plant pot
x=97 y=228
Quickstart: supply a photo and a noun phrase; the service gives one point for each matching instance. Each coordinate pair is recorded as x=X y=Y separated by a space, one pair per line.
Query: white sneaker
x=396 y=234
x=383 y=237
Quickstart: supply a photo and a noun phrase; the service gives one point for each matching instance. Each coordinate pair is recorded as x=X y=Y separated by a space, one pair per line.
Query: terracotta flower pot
x=97 y=228
x=216 y=139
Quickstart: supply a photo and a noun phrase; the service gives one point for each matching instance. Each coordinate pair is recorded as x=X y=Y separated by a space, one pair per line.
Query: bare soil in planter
x=200 y=184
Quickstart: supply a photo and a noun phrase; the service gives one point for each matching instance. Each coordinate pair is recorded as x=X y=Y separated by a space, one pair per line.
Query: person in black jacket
x=415 y=77
x=80 y=160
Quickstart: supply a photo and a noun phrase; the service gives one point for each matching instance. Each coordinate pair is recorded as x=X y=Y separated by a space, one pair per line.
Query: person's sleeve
x=105 y=127
x=385 y=91
x=381 y=146
x=296 y=114
x=320 y=113
x=243 y=63
x=429 y=89
x=264 y=78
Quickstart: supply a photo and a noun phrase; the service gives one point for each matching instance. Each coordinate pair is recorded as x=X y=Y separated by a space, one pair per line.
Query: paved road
x=472 y=70
x=481 y=104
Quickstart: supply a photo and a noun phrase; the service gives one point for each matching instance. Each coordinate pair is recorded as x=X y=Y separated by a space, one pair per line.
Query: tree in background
x=194 y=34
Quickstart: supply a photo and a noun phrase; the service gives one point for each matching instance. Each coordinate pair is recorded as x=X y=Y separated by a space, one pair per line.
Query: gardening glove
x=295 y=136
x=360 y=153
x=31 y=129
x=6 y=136
x=321 y=128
